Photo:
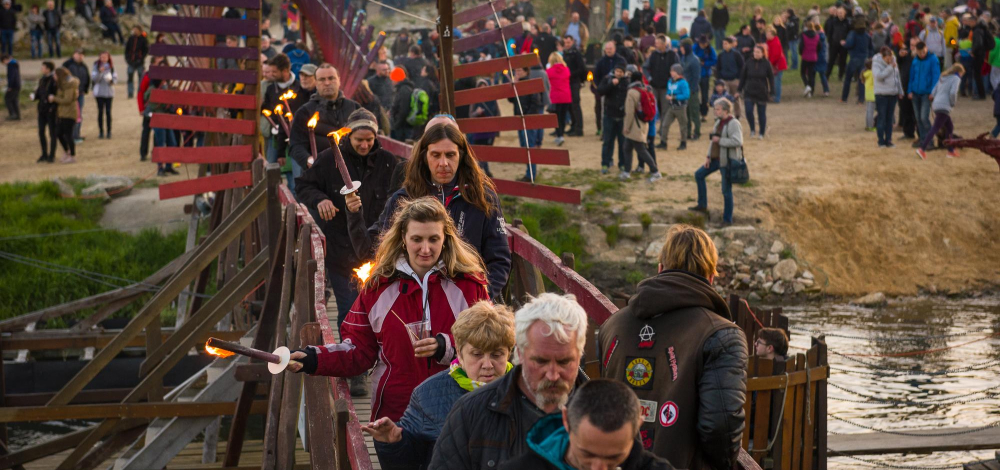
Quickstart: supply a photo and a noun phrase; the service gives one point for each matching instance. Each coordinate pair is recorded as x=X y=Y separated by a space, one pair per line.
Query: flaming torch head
x=288 y=116
x=265 y=112
x=590 y=76
x=217 y=352
x=338 y=134
x=364 y=271
x=277 y=109
x=180 y=112
x=313 y=120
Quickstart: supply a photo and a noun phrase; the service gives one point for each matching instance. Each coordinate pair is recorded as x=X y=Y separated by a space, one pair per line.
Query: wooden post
x=4 y=450
x=446 y=28
x=821 y=405
x=153 y=341
x=343 y=417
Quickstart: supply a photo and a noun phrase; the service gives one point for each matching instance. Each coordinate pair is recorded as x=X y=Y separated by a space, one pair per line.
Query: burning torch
x=288 y=95
x=276 y=361
x=350 y=185
x=312 y=136
x=274 y=127
x=277 y=112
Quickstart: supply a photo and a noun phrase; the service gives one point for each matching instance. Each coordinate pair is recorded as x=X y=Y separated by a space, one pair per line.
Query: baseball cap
x=308 y=69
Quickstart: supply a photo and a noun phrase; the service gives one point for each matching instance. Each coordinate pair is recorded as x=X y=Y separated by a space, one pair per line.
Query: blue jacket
x=692 y=71
x=707 y=57
x=859 y=45
x=422 y=422
x=924 y=74
x=297 y=57
x=679 y=89
x=824 y=47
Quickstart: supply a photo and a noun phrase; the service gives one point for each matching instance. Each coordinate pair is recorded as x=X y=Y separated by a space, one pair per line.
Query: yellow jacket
x=951 y=32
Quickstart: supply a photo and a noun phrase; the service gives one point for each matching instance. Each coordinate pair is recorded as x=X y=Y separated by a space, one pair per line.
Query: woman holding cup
x=423 y=276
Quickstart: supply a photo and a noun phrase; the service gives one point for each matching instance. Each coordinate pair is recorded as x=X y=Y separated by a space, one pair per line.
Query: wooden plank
x=395 y=147
x=491 y=66
x=797 y=416
x=745 y=462
x=120 y=411
x=203 y=124
x=251 y=4
x=762 y=413
x=153 y=340
x=478 y=12
x=499 y=92
x=539 y=156
x=192 y=74
x=203 y=155
x=810 y=419
x=203 y=100
x=109 y=448
x=200 y=25
x=747 y=406
x=343 y=417
x=923 y=441
x=821 y=401
x=476 y=41
x=777 y=410
x=292 y=392
x=319 y=406
x=221 y=52
x=508 y=123
x=538 y=191
x=104 y=312
x=44 y=449
x=787 y=430
x=253 y=373
x=206 y=184
x=67 y=339
x=794 y=378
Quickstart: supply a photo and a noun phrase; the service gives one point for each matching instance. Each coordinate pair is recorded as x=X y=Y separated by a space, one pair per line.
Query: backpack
x=419 y=104
x=647 y=104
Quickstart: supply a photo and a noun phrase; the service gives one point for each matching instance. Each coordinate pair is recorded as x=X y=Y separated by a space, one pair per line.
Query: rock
x=808 y=275
x=735 y=248
x=633 y=231
x=719 y=243
x=805 y=282
x=64 y=188
x=772 y=259
x=657 y=231
x=753 y=297
x=654 y=248
x=778 y=288
x=760 y=277
x=785 y=269
x=743 y=280
x=743 y=268
x=595 y=240
x=99 y=191
x=777 y=246
x=750 y=250
x=739 y=229
x=767 y=285
x=798 y=287
x=871 y=300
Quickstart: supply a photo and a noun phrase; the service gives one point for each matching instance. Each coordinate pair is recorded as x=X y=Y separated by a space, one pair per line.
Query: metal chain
x=901 y=433
x=890 y=340
x=947 y=401
x=973 y=367
x=888 y=465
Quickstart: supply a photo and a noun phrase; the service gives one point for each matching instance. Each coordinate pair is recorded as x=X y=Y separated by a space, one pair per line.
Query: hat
x=620 y=67
x=631 y=68
x=677 y=68
x=687 y=42
x=308 y=69
x=362 y=118
x=885 y=15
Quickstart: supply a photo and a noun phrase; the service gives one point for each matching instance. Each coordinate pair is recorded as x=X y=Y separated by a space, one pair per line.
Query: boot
x=358 y=385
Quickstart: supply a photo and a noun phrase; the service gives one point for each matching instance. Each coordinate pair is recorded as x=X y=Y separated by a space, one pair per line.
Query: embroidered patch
x=673 y=362
x=646 y=340
x=668 y=414
x=647 y=409
x=646 y=435
x=639 y=372
x=611 y=350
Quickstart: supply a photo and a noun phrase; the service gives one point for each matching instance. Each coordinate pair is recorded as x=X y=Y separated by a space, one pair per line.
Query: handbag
x=739 y=173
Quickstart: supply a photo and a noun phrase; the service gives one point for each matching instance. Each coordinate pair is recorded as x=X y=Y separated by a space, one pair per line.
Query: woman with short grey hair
x=726 y=145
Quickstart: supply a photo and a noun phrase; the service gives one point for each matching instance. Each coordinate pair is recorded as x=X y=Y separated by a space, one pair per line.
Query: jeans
x=907 y=118
x=651 y=148
x=642 y=154
x=661 y=105
x=7 y=41
x=574 y=108
x=885 y=105
x=36 y=43
x=870 y=116
x=345 y=291
x=761 y=114
x=144 y=139
x=613 y=128
x=977 y=75
x=114 y=32
x=825 y=80
x=727 y=187
x=47 y=122
x=76 y=127
x=719 y=35
x=164 y=138
x=793 y=53
x=562 y=109
x=854 y=68
x=598 y=110
x=922 y=108
x=11 y=99
x=996 y=129
x=777 y=86
x=138 y=70
x=104 y=112
x=52 y=39
x=941 y=121
x=64 y=129
x=534 y=140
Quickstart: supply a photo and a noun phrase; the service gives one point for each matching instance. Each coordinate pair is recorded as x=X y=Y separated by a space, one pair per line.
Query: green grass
x=611 y=232
x=646 y=220
x=38 y=208
x=696 y=220
x=787 y=253
x=549 y=224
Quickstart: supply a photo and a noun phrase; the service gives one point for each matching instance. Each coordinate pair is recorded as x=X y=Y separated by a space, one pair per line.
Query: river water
x=955 y=387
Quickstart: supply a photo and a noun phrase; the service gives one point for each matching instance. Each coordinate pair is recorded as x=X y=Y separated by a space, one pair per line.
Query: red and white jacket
x=371 y=332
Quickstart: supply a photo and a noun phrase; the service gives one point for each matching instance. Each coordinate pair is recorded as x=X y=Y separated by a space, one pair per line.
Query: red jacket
x=372 y=335
x=559 y=84
x=143 y=86
x=776 y=55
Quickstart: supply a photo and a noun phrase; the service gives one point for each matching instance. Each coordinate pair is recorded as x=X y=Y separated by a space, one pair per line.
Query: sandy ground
x=869 y=219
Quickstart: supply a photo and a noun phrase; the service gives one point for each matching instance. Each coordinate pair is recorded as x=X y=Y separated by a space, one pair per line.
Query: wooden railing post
x=821 y=405
x=343 y=417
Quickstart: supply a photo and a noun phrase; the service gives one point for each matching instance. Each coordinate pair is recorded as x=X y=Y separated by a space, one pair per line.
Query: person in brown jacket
x=68 y=89
x=675 y=344
x=636 y=130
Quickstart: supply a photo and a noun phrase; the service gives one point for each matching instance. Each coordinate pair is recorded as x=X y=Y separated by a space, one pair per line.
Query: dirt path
x=868 y=218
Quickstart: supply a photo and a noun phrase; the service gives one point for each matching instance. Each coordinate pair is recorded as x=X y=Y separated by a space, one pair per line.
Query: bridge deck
x=923 y=442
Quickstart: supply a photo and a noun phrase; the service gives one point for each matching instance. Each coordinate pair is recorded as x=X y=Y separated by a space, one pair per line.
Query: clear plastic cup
x=419 y=330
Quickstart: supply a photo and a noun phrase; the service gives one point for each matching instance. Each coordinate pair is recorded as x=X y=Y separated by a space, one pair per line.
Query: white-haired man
x=489 y=426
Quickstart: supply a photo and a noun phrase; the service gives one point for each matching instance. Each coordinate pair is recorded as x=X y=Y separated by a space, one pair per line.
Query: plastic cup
x=419 y=330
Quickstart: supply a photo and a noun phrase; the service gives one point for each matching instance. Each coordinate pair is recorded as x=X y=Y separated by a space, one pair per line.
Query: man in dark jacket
x=488 y=427
x=11 y=96
x=792 y=27
x=381 y=85
x=837 y=27
x=643 y=17
x=728 y=66
x=136 y=50
x=701 y=27
x=657 y=71
x=109 y=19
x=859 y=47
x=577 y=77
x=692 y=73
x=602 y=69
x=53 y=25
x=401 y=130
x=46 y=112
x=283 y=80
x=982 y=44
x=79 y=69
x=613 y=90
x=675 y=344
x=720 y=20
x=8 y=24
x=599 y=426
x=333 y=108
x=545 y=42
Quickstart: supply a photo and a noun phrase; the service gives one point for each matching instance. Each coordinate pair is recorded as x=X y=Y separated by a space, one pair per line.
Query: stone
x=739 y=229
x=777 y=246
x=772 y=259
x=767 y=285
x=633 y=231
x=99 y=191
x=750 y=250
x=778 y=288
x=760 y=277
x=654 y=248
x=874 y=299
x=594 y=238
x=735 y=248
x=798 y=287
x=743 y=268
x=805 y=282
x=753 y=296
x=743 y=279
x=64 y=188
x=658 y=230
x=808 y=275
x=785 y=269
x=719 y=243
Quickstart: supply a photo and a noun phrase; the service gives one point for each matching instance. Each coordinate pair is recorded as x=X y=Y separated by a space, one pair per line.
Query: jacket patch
x=673 y=362
x=668 y=414
x=647 y=409
x=646 y=340
x=611 y=350
x=639 y=373
x=646 y=435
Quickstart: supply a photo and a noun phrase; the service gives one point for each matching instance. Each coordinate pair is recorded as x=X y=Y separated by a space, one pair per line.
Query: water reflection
x=918 y=364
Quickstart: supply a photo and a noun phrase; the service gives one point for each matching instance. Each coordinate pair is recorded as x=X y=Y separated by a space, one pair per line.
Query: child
x=965 y=58
x=720 y=92
x=678 y=93
x=869 y=81
x=943 y=98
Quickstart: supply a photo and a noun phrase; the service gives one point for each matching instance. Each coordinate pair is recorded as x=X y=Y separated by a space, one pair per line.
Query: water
x=958 y=386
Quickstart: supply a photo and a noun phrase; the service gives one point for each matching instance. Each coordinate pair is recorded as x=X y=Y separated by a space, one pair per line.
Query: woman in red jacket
x=559 y=93
x=423 y=272
x=776 y=55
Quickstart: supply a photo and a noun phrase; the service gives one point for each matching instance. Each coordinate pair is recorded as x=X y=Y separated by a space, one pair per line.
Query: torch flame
x=590 y=76
x=265 y=112
x=217 y=352
x=288 y=95
x=288 y=116
x=535 y=51
x=339 y=133
x=313 y=120
x=277 y=109
x=381 y=33
x=180 y=111
x=364 y=271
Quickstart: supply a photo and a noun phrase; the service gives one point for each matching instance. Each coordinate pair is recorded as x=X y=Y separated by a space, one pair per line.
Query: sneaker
x=78 y=141
x=101 y=136
x=624 y=175
x=68 y=159
x=639 y=170
x=655 y=177
x=952 y=154
x=358 y=385
x=695 y=137
x=662 y=145
x=890 y=145
x=683 y=146
x=171 y=170
x=559 y=141
x=702 y=209
x=922 y=154
x=760 y=137
x=161 y=173
x=807 y=91
x=753 y=134
x=881 y=146
x=826 y=94
x=869 y=129
x=42 y=159
x=604 y=170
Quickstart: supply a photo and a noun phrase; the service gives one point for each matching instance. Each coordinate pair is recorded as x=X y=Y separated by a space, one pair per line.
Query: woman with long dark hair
x=103 y=76
x=67 y=113
x=757 y=86
x=364 y=96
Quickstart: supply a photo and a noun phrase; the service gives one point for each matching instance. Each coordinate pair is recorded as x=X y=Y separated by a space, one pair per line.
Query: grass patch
x=696 y=220
x=604 y=188
x=750 y=184
x=611 y=232
x=646 y=220
x=549 y=224
x=634 y=276
x=787 y=253
x=38 y=208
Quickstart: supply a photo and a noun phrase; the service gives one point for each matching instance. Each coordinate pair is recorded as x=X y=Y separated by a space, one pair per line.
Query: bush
x=611 y=232
x=557 y=234
x=646 y=220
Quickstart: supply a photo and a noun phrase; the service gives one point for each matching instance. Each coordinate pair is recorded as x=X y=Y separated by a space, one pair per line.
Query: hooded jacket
x=720 y=17
x=548 y=441
x=885 y=77
x=729 y=64
x=483 y=428
x=924 y=74
x=66 y=97
x=859 y=45
x=333 y=115
x=692 y=71
x=945 y=93
x=776 y=55
x=401 y=104
x=657 y=67
x=136 y=50
x=46 y=86
x=104 y=79
x=809 y=46
x=757 y=80
x=634 y=129
x=707 y=57
x=675 y=344
x=559 y=92
x=81 y=72
x=372 y=335
x=323 y=181
x=614 y=96
x=700 y=27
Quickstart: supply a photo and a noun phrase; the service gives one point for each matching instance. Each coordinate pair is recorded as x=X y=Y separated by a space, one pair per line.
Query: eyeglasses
x=760 y=342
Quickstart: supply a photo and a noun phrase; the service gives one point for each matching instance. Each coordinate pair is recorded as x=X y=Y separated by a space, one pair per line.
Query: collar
x=462 y=379
x=285 y=85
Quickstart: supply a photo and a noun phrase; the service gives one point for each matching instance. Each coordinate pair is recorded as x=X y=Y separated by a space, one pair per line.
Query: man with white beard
x=489 y=426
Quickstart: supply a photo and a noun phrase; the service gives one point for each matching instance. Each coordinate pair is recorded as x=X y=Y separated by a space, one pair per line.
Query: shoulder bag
x=739 y=173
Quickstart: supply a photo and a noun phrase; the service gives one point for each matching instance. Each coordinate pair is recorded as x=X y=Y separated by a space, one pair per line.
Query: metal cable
x=946 y=401
x=397 y=10
x=902 y=433
x=889 y=340
x=517 y=96
x=77 y=232
x=974 y=367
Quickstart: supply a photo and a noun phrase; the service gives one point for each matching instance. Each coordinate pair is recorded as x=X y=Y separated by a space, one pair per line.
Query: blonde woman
x=559 y=91
x=423 y=272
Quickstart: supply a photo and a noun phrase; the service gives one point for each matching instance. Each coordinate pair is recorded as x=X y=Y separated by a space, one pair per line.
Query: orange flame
x=364 y=271
x=313 y=120
x=381 y=33
x=265 y=112
x=217 y=352
x=535 y=51
x=288 y=116
x=277 y=109
x=288 y=95
x=339 y=133
x=180 y=112
x=590 y=76
x=398 y=74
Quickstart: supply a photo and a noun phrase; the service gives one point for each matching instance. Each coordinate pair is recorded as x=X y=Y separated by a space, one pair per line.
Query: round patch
x=668 y=414
x=639 y=372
